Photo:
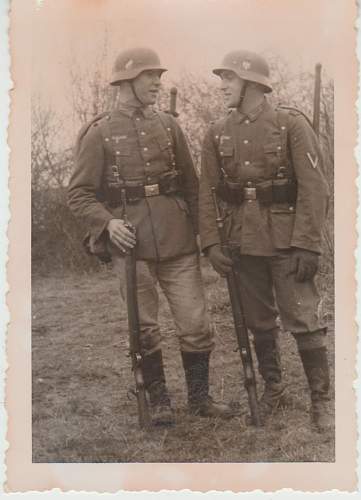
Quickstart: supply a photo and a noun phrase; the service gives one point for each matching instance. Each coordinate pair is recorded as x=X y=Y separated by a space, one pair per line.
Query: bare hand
x=120 y=235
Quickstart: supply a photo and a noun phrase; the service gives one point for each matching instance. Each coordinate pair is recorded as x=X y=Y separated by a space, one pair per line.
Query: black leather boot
x=269 y=365
x=315 y=364
x=154 y=380
x=196 y=368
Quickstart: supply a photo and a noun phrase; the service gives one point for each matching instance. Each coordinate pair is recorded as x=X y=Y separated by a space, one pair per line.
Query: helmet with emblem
x=130 y=63
x=248 y=66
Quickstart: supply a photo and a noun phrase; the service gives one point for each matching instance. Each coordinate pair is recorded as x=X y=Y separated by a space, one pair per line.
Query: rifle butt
x=134 y=340
x=143 y=411
x=244 y=348
x=253 y=405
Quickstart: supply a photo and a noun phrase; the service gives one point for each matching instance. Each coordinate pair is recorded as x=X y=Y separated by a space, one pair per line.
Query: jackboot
x=154 y=381
x=196 y=369
x=315 y=364
x=269 y=366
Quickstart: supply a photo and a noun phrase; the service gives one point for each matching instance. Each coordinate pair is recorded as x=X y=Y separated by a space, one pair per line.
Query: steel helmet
x=248 y=66
x=130 y=63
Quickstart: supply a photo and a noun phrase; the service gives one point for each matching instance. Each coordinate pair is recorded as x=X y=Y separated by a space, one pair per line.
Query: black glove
x=304 y=264
x=220 y=262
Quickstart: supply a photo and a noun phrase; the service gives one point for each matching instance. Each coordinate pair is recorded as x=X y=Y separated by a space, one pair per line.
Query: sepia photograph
x=182 y=199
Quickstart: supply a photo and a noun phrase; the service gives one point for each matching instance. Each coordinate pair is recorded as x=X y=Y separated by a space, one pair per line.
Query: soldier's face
x=231 y=86
x=147 y=85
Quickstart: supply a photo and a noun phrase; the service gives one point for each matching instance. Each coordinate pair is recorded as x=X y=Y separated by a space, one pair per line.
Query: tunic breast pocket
x=118 y=148
x=273 y=157
x=226 y=153
x=162 y=147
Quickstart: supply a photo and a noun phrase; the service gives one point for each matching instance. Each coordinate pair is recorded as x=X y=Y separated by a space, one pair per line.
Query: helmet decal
x=129 y=64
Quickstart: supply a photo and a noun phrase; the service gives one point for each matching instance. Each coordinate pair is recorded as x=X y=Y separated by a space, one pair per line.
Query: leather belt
x=166 y=185
x=266 y=192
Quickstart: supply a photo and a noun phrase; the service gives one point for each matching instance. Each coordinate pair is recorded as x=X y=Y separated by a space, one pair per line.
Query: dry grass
x=81 y=378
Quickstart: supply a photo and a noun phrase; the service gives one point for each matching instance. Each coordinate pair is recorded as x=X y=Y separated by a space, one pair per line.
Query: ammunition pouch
x=166 y=184
x=266 y=192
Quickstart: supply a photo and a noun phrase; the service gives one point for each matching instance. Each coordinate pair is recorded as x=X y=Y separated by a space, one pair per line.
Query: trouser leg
x=154 y=380
x=148 y=301
x=152 y=362
x=298 y=305
x=256 y=288
x=182 y=284
x=313 y=353
x=196 y=369
x=269 y=364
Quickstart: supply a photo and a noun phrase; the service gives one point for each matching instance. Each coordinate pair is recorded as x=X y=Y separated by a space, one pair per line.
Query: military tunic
x=255 y=148
x=252 y=148
x=142 y=145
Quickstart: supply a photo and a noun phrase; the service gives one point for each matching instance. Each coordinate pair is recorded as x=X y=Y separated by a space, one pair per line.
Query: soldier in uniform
x=144 y=152
x=266 y=166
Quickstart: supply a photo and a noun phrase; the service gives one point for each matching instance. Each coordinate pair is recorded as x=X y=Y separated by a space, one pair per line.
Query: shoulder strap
x=295 y=111
x=84 y=129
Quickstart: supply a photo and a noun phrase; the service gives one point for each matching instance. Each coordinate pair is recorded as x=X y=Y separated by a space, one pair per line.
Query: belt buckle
x=250 y=193
x=151 y=190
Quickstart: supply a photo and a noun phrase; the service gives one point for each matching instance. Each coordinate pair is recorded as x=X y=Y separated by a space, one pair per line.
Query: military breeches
x=268 y=289
x=181 y=282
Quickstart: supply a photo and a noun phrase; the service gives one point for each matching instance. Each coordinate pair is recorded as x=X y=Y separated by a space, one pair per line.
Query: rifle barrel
x=317 y=99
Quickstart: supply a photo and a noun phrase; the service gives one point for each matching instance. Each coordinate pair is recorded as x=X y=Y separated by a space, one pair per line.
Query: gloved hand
x=304 y=264
x=220 y=262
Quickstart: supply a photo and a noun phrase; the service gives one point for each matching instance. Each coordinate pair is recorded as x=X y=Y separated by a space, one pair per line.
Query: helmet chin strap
x=242 y=95
x=135 y=93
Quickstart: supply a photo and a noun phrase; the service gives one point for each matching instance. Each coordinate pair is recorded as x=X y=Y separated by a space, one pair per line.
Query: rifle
x=173 y=103
x=134 y=327
x=239 y=321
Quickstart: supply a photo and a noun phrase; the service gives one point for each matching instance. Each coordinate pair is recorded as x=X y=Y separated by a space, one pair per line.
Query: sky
x=191 y=35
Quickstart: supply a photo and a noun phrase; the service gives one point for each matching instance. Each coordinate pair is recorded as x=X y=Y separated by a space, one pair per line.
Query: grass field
x=81 y=379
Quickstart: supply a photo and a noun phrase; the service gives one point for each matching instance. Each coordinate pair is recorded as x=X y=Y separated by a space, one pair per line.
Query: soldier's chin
x=228 y=103
x=152 y=98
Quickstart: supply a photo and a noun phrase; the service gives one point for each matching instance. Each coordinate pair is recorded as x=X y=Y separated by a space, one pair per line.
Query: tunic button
x=137 y=119
x=247 y=122
x=279 y=148
x=168 y=128
x=246 y=141
x=247 y=162
x=221 y=153
x=291 y=209
x=169 y=143
x=117 y=152
x=142 y=133
x=148 y=164
x=145 y=149
x=283 y=127
x=107 y=139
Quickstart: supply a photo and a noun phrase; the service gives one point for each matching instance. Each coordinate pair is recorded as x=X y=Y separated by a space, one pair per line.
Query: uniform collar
x=130 y=111
x=251 y=115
